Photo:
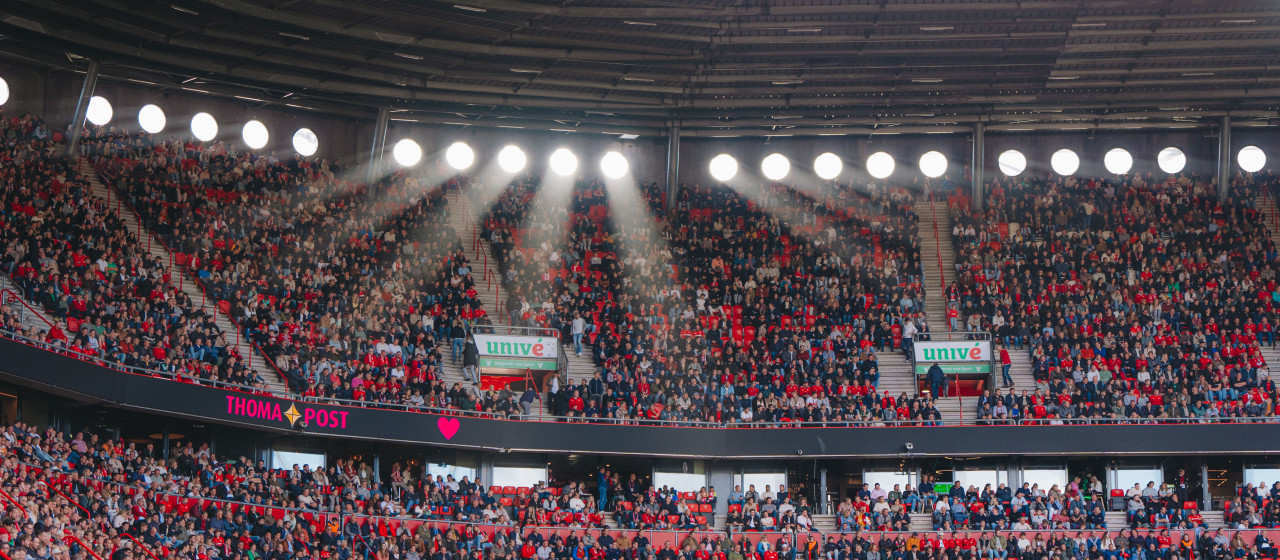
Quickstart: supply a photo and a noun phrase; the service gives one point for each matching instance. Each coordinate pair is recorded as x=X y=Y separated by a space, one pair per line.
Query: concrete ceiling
x=711 y=67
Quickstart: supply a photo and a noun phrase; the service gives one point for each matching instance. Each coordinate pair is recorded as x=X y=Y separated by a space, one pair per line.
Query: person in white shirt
x=578 y=329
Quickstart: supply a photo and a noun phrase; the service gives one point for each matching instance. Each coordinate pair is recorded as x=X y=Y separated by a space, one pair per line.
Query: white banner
x=518 y=346
x=969 y=351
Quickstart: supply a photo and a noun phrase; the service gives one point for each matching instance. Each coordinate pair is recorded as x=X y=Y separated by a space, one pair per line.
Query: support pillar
x=1206 y=497
x=82 y=108
x=673 y=165
x=1224 y=158
x=721 y=477
x=379 y=146
x=166 y=442
x=976 y=166
x=823 y=505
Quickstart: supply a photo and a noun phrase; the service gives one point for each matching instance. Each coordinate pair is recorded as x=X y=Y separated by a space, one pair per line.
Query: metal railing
x=951 y=336
x=8 y=295
x=657 y=536
x=103 y=362
x=634 y=422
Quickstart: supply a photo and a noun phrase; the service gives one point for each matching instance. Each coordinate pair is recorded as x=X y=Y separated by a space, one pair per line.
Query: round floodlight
x=828 y=166
x=563 y=162
x=512 y=159
x=305 y=142
x=1118 y=161
x=204 y=127
x=4 y=91
x=1012 y=163
x=775 y=166
x=151 y=119
x=459 y=156
x=1171 y=160
x=723 y=167
x=933 y=164
x=99 y=112
x=407 y=153
x=1251 y=158
x=255 y=134
x=614 y=165
x=880 y=165
x=1064 y=162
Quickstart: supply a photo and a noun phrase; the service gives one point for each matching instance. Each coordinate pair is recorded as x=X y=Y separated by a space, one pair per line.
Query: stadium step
x=1267 y=205
x=895 y=374
x=187 y=283
x=1020 y=369
x=484 y=270
x=954 y=409
x=450 y=372
x=933 y=248
x=33 y=317
x=579 y=368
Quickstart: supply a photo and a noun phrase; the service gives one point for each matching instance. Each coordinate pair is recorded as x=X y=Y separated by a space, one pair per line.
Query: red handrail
x=140 y=546
x=942 y=283
x=942 y=272
x=48 y=487
x=1275 y=210
x=13 y=501
x=18 y=298
x=68 y=533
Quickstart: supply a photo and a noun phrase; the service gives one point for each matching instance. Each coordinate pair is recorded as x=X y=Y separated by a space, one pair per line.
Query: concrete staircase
x=450 y=372
x=186 y=282
x=464 y=218
x=32 y=316
x=1020 y=370
x=1268 y=207
x=939 y=259
x=896 y=376
x=933 y=220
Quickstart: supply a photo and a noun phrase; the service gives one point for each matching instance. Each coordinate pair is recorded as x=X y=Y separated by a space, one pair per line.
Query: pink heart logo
x=448 y=427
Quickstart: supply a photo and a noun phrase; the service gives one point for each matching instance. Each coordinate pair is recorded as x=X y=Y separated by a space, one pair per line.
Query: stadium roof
x=712 y=67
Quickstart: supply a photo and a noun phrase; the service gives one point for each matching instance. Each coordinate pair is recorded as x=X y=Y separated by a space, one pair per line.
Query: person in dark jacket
x=936 y=380
x=470 y=361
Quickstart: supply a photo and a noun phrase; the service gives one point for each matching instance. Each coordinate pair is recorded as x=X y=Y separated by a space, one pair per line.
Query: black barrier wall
x=63 y=375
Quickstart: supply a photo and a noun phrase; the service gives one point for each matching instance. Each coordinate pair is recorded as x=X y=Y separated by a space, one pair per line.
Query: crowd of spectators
x=69 y=254
x=758 y=307
x=1136 y=297
x=82 y=495
x=348 y=288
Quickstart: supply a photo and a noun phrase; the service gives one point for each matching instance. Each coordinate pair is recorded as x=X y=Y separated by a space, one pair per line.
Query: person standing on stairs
x=936 y=379
x=471 y=360
x=1005 y=364
x=459 y=336
x=578 y=329
x=908 y=331
x=514 y=307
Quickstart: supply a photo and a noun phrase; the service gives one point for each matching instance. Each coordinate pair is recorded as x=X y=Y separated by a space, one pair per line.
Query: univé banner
x=967 y=351
x=969 y=356
x=508 y=346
